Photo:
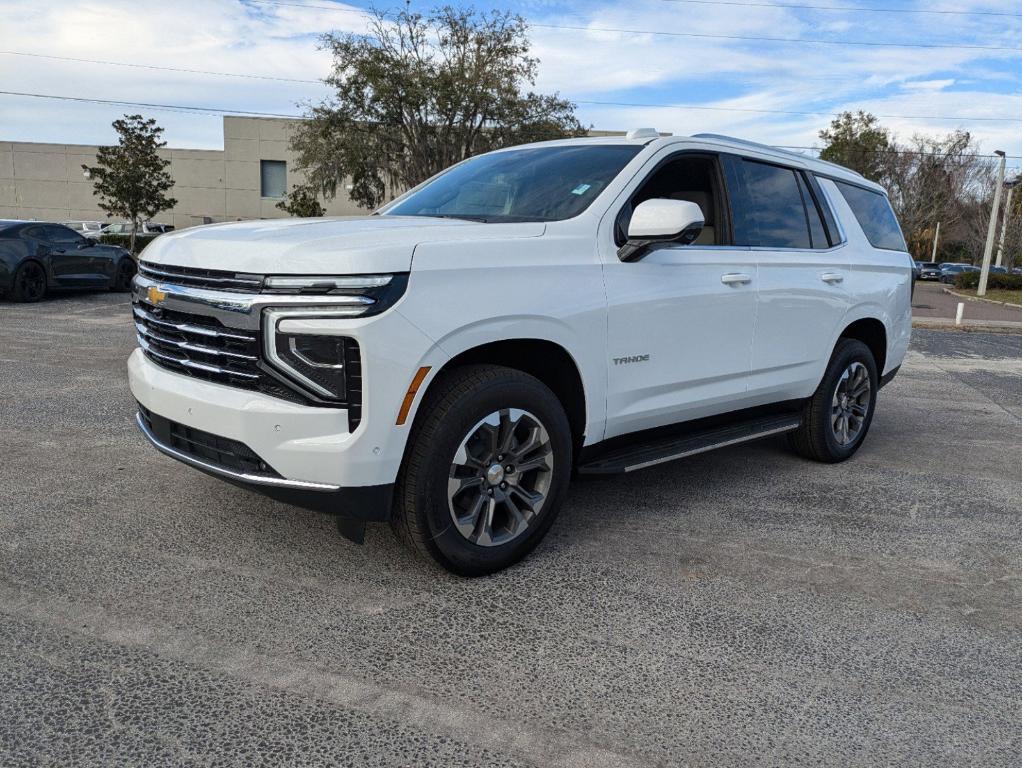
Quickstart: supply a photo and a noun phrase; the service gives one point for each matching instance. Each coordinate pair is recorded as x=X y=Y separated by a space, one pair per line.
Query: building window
x=272 y=178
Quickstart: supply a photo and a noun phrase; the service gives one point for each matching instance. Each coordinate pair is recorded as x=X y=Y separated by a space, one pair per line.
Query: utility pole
x=988 y=250
x=1004 y=223
x=936 y=239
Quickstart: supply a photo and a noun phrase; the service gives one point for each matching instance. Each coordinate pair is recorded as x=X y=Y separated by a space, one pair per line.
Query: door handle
x=735 y=278
x=832 y=278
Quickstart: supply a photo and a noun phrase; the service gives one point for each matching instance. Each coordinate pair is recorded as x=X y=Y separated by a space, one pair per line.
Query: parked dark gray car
x=36 y=257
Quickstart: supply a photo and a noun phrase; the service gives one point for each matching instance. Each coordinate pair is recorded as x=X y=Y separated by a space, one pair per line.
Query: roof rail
x=778 y=150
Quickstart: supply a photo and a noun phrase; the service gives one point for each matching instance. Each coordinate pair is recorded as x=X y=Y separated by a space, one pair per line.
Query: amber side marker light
x=413 y=388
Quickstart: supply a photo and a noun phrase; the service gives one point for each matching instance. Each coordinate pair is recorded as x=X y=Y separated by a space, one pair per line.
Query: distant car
x=1017 y=271
x=85 y=227
x=36 y=257
x=124 y=228
x=998 y=270
x=929 y=270
x=948 y=272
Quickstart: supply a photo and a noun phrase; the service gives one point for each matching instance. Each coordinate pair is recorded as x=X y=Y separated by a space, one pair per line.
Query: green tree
x=857 y=141
x=420 y=93
x=301 y=201
x=131 y=179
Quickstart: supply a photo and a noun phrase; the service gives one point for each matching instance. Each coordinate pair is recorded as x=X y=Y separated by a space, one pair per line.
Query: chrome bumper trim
x=215 y=469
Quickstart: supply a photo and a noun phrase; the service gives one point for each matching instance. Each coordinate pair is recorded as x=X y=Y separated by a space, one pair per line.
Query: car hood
x=343 y=245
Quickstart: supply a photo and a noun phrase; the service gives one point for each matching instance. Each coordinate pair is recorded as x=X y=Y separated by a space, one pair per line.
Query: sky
x=674 y=65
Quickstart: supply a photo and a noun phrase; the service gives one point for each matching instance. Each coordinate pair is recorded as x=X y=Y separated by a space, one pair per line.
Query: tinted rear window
x=874 y=214
x=767 y=206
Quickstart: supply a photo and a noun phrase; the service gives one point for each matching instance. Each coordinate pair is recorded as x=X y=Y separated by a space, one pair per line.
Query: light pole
x=1004 y=222
x=936 y=239
x=988 y=250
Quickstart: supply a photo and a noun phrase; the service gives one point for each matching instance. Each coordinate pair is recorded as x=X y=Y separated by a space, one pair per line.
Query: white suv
x=593 y=305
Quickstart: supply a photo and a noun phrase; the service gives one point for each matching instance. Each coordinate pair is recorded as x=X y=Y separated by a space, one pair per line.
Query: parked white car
x=599 y=305
x=85 y=228
x=124 y=228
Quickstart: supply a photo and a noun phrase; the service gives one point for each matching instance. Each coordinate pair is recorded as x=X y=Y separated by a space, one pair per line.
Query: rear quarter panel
x=879 y=283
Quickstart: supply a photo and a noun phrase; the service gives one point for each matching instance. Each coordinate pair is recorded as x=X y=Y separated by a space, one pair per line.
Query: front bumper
x=318 y=463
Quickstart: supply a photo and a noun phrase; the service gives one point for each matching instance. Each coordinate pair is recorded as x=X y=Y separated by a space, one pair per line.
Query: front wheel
x=29 y=282
x=836 y=418
x=486 y=469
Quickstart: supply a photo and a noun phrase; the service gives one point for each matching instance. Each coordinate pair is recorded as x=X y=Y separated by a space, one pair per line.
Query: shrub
x=141 y=241
x=995 y=281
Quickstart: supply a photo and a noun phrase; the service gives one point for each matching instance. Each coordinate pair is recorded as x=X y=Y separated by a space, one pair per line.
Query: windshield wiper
x=462 y=216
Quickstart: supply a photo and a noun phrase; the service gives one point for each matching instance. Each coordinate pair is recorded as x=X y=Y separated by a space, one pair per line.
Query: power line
x=759 y=38
x=849 y=9
x=248 y=113
x=702 y=107
x=107 y=62
x=167 y=107
x=699 y=35
x=154 y=66
x=792 y=112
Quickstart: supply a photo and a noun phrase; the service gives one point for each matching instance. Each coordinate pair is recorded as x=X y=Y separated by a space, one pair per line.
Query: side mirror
x=660 y=220
x=86 y=244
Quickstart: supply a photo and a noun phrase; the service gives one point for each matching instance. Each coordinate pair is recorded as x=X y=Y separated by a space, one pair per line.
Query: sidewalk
x=935 y=310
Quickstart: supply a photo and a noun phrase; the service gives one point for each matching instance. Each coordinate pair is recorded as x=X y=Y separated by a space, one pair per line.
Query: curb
x=965 y=296
x=967 y=326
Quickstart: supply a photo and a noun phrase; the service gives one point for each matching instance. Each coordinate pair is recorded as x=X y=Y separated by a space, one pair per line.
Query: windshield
x=541 y=184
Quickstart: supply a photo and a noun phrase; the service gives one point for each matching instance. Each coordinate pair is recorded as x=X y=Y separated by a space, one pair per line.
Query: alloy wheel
x=850 y=403
x=31 y=282
x=500 y=477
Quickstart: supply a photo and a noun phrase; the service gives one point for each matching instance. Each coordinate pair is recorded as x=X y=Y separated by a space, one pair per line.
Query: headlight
x=318 y=363
x=359 y=294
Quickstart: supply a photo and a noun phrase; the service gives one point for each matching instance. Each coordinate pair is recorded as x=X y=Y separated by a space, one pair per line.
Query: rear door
x=802 y=268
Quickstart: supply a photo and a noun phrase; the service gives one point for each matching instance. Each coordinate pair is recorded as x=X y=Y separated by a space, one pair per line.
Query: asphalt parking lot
x=739 y=608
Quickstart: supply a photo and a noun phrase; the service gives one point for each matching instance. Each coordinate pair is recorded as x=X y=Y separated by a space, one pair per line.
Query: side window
x=62 y=235
x=686 y=176
x=817 y=230
x=766 y=205
x=873 y=212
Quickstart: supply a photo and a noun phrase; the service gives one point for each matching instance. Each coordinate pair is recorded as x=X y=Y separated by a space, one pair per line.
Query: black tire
x=29 y=282
x=122 y=277
x=454 y=410
x=818 y=438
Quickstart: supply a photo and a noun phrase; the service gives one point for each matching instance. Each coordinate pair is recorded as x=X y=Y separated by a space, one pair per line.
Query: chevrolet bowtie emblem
x=155 y=295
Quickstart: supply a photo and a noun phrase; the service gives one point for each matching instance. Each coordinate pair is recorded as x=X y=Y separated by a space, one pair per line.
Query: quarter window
x=766 y=205
x=873 y=212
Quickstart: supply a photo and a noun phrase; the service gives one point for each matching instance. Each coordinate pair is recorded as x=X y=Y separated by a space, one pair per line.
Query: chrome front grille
x=215 y=279
x=199 y=346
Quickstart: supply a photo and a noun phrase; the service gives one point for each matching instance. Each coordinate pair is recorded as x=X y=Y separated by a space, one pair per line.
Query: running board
x=633 y=457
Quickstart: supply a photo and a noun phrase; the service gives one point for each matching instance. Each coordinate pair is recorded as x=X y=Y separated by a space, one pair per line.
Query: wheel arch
x=872 y=332
x=546 y=360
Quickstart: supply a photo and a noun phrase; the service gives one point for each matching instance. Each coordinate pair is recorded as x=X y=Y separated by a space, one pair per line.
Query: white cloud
x=244 y=36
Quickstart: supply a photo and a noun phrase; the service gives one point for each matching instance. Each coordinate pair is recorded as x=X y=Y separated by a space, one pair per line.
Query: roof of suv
x=739 y=146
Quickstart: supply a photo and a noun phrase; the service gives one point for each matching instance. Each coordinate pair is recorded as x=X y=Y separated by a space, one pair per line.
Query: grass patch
x=1008 y=297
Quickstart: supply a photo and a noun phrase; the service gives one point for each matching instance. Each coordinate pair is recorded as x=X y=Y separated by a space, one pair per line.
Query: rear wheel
x=122 y=278
x=836 y=418
x=29 y=282
x=486 y=469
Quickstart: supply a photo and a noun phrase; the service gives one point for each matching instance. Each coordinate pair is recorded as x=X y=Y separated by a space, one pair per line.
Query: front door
x=681 y=320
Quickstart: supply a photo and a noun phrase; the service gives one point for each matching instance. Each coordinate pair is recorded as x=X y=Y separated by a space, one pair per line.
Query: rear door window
x=873 y=212
x=767 y=205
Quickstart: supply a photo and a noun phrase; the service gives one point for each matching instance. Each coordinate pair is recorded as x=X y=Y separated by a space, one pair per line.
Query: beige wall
x=45 y=181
